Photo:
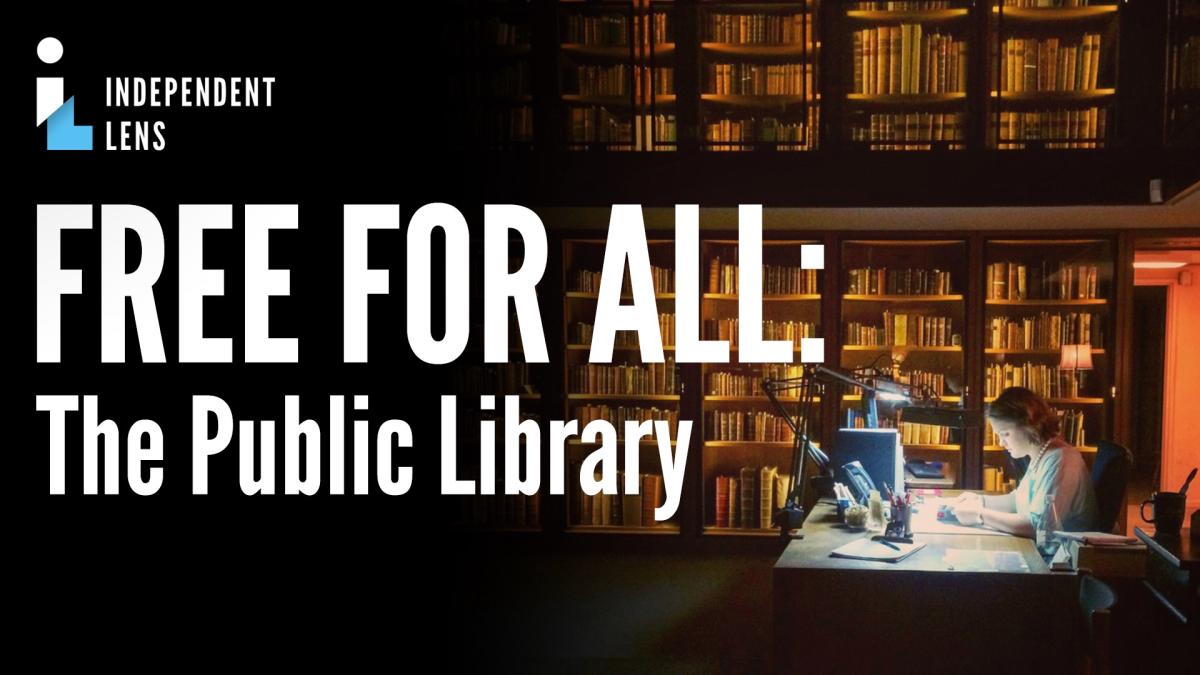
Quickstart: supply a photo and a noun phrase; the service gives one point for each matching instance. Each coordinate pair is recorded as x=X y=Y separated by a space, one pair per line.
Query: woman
x=1027 y=427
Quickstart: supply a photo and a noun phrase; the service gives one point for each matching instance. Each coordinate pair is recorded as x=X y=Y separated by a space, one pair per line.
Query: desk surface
x=823 y=533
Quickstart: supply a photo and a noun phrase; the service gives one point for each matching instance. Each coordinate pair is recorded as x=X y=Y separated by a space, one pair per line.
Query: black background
x=354 y=120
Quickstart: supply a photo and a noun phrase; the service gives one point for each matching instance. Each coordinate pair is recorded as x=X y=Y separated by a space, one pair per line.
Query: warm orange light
x=1076 y=357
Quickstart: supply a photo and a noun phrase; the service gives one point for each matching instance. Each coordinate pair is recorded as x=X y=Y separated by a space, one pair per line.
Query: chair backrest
x=1110 y=473
x=1096 y=598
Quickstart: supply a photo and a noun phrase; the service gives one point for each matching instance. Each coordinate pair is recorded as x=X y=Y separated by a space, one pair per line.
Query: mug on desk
x=1168 y=511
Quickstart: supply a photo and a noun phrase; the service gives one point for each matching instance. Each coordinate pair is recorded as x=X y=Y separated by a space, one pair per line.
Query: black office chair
x=1096 y=598
x=1110 y=474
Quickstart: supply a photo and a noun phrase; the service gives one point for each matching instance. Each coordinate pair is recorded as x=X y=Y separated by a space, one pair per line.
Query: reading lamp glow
x=1158 y=264
x=1076 y=357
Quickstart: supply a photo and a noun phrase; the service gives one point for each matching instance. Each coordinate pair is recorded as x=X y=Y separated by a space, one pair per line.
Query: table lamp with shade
x=1075 y=358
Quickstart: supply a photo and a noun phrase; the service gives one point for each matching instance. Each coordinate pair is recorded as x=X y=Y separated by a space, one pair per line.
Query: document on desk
x=868 y=549
x=974 y=560
x=925 y=521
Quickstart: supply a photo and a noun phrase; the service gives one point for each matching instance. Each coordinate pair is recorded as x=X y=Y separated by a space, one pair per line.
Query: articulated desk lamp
x=791 y=516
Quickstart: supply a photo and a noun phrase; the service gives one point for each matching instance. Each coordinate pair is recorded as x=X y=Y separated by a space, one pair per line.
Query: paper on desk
x=925 y=521
x=868 y=549
x=974 y=560
x=1098 y=538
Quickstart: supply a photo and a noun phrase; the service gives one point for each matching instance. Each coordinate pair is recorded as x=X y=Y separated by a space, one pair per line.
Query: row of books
x=1028 y=64
x=1071 y=427
x=907 y=281
x=501 y=511
x=1185 y=66
x=856 y=419
x=507 y=81
x=620 y=132
x=902 y=6
x=902 y=60
x=500 y=33
x=1044 y=331
x=750 y=425
x=1045 y=381
x=994 y=480
x=924 y=381
x=580 y=333
x=1058 y=129
x=624 y=510
x=726 y=383
x=493 y=379
x=596 y=80
x=793 y=331
x=776 y=279
x=909 y=131
x=1042 y=281
x=758 y=79
x=620 y=414
x=513 y=124
x=649 y=82
x=900 y=330
x=588 y=281
x=602 y=30
x=1055 y=3
x=750 y=499
x=651 y=379
x=728 y=134
x=759 y=29
x=923 y=434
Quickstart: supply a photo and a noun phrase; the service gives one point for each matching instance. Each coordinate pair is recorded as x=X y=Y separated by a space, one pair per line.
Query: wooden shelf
x=622 y=397
x=645 y=444
x=936 y=447
x=903 y=298
x=622 y=529
x=713 y=531
x=943 y=399
x=921 y=16
x=801 y=297
x=620 y=348
x=1090 y=302
x=766 y=102
x=579 y=295
x=750 y=444
x=902 y=348
x=1045 y=14
x=907 y=100
x=1046 y=352
x=1052 y=97
x=613 y=101
x=598 y=51
x=1062 y=401
x=1083 y=449
x=759 y=51
x=761 y=398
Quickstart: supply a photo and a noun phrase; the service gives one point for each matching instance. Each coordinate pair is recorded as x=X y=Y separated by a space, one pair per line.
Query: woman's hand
x=968 y=511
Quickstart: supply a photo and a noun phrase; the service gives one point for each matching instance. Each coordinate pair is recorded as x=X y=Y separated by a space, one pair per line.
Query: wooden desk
x=839 y=615
x=1172 y=574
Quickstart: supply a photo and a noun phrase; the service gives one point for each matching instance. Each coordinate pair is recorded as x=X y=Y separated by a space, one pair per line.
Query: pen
x=888 y=544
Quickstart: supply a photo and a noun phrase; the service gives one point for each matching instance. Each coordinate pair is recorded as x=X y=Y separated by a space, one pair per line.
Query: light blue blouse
x=1062 y=473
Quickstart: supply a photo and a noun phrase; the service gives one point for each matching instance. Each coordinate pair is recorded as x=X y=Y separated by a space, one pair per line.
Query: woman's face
x=1014 y=438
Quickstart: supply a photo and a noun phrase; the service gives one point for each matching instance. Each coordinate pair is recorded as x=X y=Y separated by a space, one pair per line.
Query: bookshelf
x=617 y=74
x=530 y=383
x=746 y=443
x=903 y=312
x=1041 y=294
x=503 y=86
x=1053 y=74
x=625 y=390
x=904 y=74
x=1183 y=74
x=758 y=75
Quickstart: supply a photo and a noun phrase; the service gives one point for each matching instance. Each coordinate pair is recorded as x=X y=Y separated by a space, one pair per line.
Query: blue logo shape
x=63 y=134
